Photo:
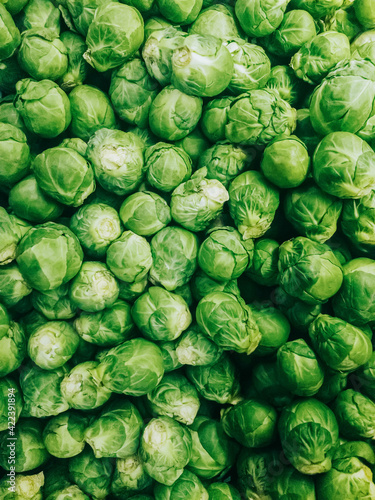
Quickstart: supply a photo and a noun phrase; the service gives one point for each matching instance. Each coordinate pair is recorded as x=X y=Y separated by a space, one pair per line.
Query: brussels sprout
x=173 y=114
x=218 y=19
x=96 y=226
x=202 y=285
x=265 y=381
x=161 y=315
x=8 y=113
x=365 y=377
x=77 y=69
x=135 y=368
x=261 y=19
x=356 y=222
x=353 y=114
x=24 y=487
x=91 y=111
x=187 y=485
x=294 y=484
x=318 y=8
x=43 y=106
x=129 y=476
x=342 y=346
x=312 y=212
x=9 y=33
x=145 y=213
x=215 y=118
x=229 y=322
x=68 y=492
x=80 y=13
x=116 y=431
x=82 y=389
x=344 y=165
x=154 y=23
x=286 y=162
x=10 y=402
x=131 y=291
x=54 y=304
x=355 y=415
x=217 y=382
x=273 y=326
x=49 y=255
x=13 y=286
x=12 y=230
x=94 y=288
x=309 y=271
x=343 y=21
x=167 y=166
x=250 y=422
x=132 y=91
x=165 y=449
x=63 y=436
x=284 y=80
x=51 y=345
x=194 y=144
x=222 y=491
x=41 y=391
x=309 y=435
x=194 y=348
x=115 y=34
x=29 y=202
x=180 y=11
x=15 y=154
x=40 y=14
x=93 y=475
x=365 y=14
x=354 y=302
x=174 y=397
x=334 y=383
x=243 y=125
x=263 y=267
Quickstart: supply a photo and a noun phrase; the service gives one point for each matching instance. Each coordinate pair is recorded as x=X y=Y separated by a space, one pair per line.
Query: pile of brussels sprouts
x=187 y=250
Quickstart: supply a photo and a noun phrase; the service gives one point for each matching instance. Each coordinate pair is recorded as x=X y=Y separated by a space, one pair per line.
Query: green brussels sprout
x=96 y=226
x=319 y=56
x=262 y=19
x=15 y=154
x=93 y=475
x=145 y=213
x=176 y=398
x=12 y=230
x=334 y=383
x=4 y=321
x=135 y=368
x=355 y=415
x=160 y=314
x=13 y=286
x=115 y=34
x=196 y=202
x=51 y=345
x=202 y=285
x=309 y=271
x=129 y=476
x=8 y=113
x=354 y=114
x=11 y=402
x=312 y=212
x=318 y=8
x=54 y=304
x=91 y=111
x=116 y=431
x=251 y=422
x=129 y=257
x=188 y=485
x=344 y=165
x=253 y=202
x=131 y=291
x=194 y=348
x=229 y=322
x=243 y=125
x=132 y=91
x=174 y=257
x=48 y=256
x=273 y=326
x=309 y=435
x=108 y=327
x=222 y=491
x=170 y=360
x=299 y=368
x=342 y=346
x=29 y=450
x=41 y=391
x=293 y=484
x=364 y=10
x=354 y=302
x=173 y=114
x=94 y=288
x=218 y=19
x=77 y=144
x=296 y=29
x=343 y=21
x=24 y=487
x=365 y=377
x=167 y=166
x=224 y=161
x=154 y=23
x=42 y=54
x=68 y=492
x=77 y=69
x=180 y=11
x=284 y=80
x=64 y=175
x=165 y=449
x=63 y=436
x=263 y=268
x=80 y=13
x=252 y=67
x=286 y=162
x=218 y=382
x=43 y=106
x=82 y=389
x=9 y=34
x=215 y=118
x=29 y=202
x=202 y=66
x=194 y=144
x=356 y=222
x=40 y=14
x=265 y=381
